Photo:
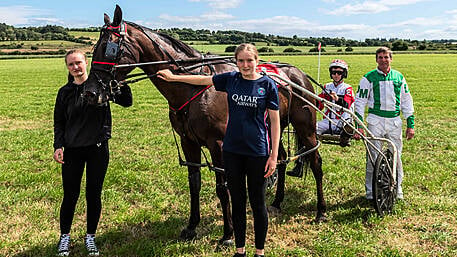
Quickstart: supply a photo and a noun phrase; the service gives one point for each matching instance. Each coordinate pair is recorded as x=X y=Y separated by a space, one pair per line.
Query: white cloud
x=451 y=11
x=216 y=16
x=415 y=22
x=221 y=4
x=360 y=8
x=370 y=7
x=343 y=28
x=282 y=25
x=23 y=15
x=403 y=2
x=17 y=15
x=213 y=16
x=179 y=19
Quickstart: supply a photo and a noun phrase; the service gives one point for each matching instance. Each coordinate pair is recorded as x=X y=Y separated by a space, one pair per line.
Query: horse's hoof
x=225 y=242
x=273 y=210
x=320 y=219
x=188 y=234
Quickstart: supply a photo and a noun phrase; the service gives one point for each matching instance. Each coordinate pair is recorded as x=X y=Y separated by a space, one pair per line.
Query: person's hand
x=270 y=166
x=409 y=133
x=58 y=155
x=334 y=96
x=165 y=74
x=357 y=136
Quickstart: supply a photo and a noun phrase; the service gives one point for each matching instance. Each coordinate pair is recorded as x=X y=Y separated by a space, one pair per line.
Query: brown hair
x=384 y=49
x=73 y=51
x=247 y=47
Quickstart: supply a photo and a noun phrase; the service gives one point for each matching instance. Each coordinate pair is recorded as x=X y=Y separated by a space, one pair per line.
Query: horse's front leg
x=275 y=207
x=193 y=155
x=222 y=192
x=316 y=166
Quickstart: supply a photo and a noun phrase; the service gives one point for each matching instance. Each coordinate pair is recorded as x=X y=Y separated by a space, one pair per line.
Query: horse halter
x=111 y=56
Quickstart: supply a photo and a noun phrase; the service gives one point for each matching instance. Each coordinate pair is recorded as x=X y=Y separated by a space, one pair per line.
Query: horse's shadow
x=300 y=205
x=139 y=239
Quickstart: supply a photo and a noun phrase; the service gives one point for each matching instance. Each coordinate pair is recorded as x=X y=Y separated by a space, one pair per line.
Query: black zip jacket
x=78 y=124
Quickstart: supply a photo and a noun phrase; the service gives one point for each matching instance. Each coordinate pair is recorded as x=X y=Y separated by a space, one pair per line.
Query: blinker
x=112 y=50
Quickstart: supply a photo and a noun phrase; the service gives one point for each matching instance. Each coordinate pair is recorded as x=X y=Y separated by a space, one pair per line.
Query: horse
x=198 y=114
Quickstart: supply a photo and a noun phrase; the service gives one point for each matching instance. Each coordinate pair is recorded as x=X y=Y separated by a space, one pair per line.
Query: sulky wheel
x=384 y=184
x=271 y=180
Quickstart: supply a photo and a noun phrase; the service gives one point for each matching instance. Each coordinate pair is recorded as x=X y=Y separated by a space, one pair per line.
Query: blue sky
x=351 y=19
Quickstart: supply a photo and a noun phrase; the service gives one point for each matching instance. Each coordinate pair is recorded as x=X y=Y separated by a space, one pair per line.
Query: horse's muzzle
x=92 y=98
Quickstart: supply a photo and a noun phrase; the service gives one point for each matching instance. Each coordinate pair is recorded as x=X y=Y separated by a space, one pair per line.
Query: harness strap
x=107 y=63
x=190 y=100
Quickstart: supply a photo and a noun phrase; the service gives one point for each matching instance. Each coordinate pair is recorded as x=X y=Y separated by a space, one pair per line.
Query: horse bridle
x=112 y=54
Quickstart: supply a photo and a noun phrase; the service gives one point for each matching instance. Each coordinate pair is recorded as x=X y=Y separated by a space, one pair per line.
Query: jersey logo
x=363 y=93
x=261 y=91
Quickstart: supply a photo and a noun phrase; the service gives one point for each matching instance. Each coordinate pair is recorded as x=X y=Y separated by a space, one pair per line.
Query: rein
x=190 y=100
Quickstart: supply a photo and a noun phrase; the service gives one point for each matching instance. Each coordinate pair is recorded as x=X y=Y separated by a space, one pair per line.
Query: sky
x=351 y=19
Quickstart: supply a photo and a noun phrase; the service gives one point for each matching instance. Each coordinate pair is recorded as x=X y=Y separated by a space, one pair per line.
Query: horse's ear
x=107 y=19
x=117 y=16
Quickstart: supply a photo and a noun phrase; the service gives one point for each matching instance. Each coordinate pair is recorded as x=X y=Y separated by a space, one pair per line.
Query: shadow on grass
x=300 y=203
x=144 y=239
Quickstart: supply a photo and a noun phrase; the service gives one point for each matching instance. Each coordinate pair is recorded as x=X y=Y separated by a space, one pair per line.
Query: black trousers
x=238 y=169
x=95 y=158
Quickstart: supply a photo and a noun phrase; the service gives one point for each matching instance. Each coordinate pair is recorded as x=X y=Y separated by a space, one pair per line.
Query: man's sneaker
x=89 y=241
x=63 y=248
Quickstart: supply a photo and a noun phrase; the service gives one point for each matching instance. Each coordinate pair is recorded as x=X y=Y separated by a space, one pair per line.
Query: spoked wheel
x=271 y=180
x=384 y=184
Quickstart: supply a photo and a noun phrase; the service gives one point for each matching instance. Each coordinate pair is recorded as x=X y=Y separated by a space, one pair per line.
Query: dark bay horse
x=198 y=114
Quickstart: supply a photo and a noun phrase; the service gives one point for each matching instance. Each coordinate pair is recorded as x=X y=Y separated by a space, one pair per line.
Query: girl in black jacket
x=81 y=131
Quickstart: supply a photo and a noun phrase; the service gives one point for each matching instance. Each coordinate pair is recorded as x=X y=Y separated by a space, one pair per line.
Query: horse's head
x=112 y=48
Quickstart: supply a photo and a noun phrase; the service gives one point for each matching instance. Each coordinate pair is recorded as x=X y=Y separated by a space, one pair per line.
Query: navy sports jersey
x=248 y=101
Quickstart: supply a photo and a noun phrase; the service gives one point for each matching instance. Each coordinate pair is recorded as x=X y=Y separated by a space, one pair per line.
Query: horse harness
x=113 y=52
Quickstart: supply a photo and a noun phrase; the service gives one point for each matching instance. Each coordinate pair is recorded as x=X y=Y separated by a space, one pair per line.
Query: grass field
x=145 y=197
x=220 y=49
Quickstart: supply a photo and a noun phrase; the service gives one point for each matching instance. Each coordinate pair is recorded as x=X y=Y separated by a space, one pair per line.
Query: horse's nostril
x=89 y=94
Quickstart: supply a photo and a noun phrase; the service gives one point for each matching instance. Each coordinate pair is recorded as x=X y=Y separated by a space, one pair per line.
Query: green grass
x=204 y=47
x=93 y=35
x=51 y=44
x=146 y=198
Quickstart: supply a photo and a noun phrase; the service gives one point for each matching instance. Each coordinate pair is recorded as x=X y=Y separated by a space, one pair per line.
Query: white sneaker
x=89 y=241
x=63 y=248
x=399 y=193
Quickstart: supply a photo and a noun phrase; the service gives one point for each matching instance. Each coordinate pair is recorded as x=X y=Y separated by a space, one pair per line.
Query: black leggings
x=237 y=169
x=95 y=158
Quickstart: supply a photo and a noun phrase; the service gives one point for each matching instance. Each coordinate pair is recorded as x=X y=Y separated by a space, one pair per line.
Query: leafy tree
x=265 y=50
x=315 y=50
x=230 y=49
x=291 y=50
x=399 y=45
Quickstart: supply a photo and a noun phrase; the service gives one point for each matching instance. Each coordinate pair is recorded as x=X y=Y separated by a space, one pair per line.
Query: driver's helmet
x=340 y=64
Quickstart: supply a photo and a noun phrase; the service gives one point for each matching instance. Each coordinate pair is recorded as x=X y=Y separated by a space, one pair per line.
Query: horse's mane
x=176 y=44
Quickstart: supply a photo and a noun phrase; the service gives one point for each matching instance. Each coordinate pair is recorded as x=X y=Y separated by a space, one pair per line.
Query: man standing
x=386 y=92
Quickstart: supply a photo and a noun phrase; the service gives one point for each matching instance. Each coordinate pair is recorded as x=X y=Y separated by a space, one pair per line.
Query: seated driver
x=337 y=92
x=342 y=94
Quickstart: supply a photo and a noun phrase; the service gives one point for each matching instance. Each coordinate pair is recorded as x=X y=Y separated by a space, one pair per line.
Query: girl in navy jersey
x=248 y=153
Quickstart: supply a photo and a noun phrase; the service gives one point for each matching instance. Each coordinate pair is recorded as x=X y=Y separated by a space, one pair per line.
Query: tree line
x=53 y=32
x=48 y=32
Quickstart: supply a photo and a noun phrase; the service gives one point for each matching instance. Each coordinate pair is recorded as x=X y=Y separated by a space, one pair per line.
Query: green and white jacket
x=386 y=95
